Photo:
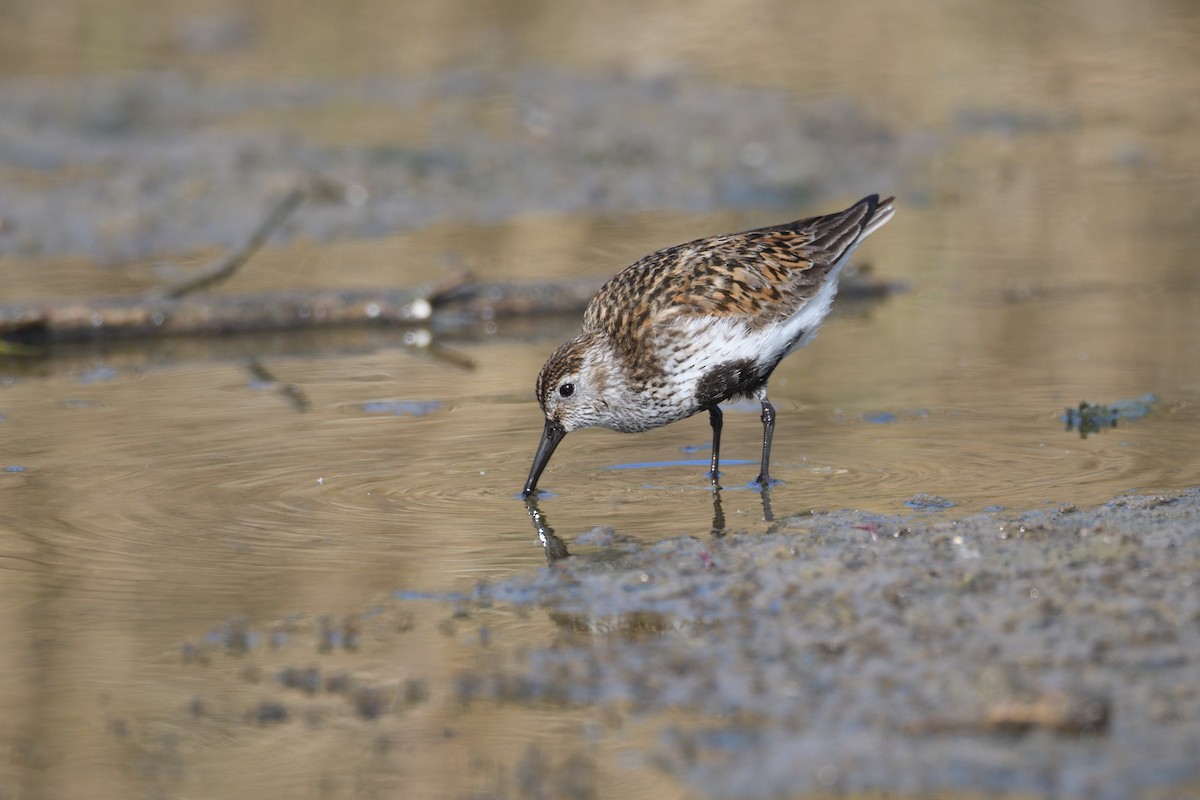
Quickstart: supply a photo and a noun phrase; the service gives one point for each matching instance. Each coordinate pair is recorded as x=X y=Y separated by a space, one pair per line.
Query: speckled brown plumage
x=690 y=326
x=757 y=275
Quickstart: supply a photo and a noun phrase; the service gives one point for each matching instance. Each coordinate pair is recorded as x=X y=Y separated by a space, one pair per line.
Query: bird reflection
x=718 y=523
x=556 y=548
x=718 y=526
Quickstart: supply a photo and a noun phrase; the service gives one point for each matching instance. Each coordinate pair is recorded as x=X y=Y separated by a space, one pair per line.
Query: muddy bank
x=159 y=163
x=1052 y=652
x=1047 y=653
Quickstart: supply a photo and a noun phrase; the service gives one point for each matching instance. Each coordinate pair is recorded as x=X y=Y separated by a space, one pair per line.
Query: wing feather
x=760 y=275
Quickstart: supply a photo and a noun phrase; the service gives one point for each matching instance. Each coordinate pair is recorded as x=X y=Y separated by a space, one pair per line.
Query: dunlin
x=686 y=328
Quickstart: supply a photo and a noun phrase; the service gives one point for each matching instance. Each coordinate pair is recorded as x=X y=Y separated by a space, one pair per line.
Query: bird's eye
x=567 y=389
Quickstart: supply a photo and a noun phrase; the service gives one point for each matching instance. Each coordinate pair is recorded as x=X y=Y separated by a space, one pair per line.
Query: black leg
x=714 y=419
x=768 y=421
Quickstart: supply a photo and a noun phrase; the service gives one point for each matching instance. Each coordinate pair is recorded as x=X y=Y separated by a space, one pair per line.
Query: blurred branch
x=459 y=298
x=234 y=261
x=181 y=310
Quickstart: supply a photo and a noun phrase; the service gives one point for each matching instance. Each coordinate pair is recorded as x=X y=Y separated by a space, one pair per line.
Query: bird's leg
x=768 y=421
x=714 y=418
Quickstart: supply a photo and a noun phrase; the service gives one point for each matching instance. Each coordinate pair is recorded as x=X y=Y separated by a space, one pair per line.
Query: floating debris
x=928 y=502
x=98 y=374
x=1093 y=418
x=403 y=408
x=412 y=594
x=269 y=713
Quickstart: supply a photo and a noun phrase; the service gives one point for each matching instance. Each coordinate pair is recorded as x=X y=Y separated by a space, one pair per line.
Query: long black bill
x=551 y=436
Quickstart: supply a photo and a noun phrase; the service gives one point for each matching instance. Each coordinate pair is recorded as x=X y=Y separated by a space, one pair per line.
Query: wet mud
x=1045 y=653
x=164 y=166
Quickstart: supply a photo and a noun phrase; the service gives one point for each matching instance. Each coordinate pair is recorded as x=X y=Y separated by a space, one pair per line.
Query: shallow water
x=161 y=503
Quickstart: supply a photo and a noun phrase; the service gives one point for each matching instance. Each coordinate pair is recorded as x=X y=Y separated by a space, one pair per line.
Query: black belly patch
x=728 y=380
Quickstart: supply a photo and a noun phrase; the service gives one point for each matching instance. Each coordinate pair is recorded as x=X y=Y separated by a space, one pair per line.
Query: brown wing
x=761 y=275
